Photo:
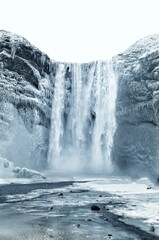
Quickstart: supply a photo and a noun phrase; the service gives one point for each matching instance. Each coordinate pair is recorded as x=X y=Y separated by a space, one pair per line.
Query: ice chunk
x=27 y=173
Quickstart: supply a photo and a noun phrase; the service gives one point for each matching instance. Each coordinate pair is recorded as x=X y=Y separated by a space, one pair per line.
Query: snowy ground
x=38 y=211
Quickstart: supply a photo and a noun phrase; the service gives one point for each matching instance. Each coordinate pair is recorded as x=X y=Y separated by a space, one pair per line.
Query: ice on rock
x=43 y=58
x=8 y=170
x=5 y=163
x=25 y=97
x=137 y=111
x=27 y=173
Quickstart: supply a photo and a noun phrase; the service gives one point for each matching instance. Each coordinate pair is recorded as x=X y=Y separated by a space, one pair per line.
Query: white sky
x=80 y=30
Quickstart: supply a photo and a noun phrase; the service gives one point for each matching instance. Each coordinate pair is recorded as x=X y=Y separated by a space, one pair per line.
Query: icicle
x=13 y=50
x=43 y=59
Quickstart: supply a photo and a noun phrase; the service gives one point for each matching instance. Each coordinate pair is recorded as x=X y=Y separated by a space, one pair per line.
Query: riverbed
x=61 y=209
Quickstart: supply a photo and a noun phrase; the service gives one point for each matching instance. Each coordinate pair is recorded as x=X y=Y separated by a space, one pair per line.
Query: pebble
x=89 y=220
x=109 y=235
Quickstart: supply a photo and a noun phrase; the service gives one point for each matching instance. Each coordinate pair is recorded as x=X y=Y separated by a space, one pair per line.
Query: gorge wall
x=136 y=141
x=50 y=110
x=25 y=106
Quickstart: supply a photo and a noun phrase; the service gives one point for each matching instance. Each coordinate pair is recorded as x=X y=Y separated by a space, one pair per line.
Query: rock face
x=136 y=140
x=25 y=105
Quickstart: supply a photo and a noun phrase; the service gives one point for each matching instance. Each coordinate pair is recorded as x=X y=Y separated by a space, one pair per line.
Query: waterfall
x=82 y=140
x=104 y=109
x=111 y=100
x=100 y=110
x=77 y=106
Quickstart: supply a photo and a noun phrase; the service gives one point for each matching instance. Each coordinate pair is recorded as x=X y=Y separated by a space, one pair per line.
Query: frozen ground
x=62 y=209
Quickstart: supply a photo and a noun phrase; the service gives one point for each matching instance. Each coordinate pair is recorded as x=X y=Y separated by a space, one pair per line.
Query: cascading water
x=77 y=106
x=111 y=100
x=82 y=133
x=56 y=132
x=100 y=110
x=104 y=109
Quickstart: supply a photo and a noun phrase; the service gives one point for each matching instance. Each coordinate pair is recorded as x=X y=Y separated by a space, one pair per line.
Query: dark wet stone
x=78 y=225
x=89 y=220
x=60 y=194
x=50 y=236
x=93 y=115
x=95 y=208
x=152 y=228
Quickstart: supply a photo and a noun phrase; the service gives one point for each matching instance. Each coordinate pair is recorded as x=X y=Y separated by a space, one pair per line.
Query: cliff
x=136 y=140
x=25 y=105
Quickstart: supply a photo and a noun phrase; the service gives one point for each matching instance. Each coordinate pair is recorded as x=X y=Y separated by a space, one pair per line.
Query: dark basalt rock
x=106 y=219
x=20 y=66
x=110 y=235
x=89 y=220
x=95 y=208
x=15 y=45
x=152 y=228
x=60 y=194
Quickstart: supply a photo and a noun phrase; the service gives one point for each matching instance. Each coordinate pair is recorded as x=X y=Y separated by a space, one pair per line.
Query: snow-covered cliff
x=25 y=105
x=136 y=141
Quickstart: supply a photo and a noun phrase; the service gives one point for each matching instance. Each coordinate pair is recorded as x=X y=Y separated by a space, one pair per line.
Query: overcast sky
x=80 y=30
